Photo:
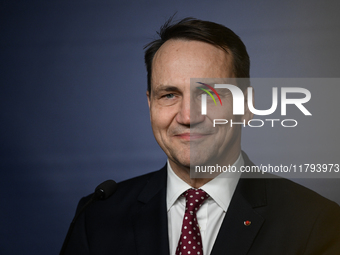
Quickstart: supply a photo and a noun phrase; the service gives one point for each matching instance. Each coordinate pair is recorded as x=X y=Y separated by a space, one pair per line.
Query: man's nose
x=189 y=112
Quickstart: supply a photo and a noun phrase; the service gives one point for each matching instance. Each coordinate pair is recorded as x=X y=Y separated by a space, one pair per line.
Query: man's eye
x=169 y=96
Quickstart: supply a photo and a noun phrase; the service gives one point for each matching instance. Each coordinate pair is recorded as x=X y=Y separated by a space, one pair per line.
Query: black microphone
x=102 y=192
x=105 y=190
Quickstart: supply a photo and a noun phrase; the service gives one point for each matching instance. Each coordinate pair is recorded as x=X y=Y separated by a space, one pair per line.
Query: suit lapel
x=150 y=221
x=234 y=236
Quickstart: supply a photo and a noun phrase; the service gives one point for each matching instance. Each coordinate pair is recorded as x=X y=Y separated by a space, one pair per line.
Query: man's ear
x=248 y=115
x=148 y=96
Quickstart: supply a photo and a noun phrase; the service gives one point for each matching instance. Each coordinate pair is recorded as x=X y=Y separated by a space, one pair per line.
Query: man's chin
x=197 y=156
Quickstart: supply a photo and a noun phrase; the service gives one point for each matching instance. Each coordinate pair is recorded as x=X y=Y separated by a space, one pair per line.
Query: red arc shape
x=212 y=90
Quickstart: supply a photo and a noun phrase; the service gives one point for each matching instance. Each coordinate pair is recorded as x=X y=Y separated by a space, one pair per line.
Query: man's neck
x=184 y=174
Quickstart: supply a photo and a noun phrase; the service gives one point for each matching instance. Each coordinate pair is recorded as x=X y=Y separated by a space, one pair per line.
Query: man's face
x=175 y=126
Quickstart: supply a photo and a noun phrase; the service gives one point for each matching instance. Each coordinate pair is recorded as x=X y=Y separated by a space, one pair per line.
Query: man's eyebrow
x=166 y=88
x=203 y=87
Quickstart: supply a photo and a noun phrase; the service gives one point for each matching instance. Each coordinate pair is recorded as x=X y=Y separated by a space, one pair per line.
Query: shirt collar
x=175 y=187
x=220 y=189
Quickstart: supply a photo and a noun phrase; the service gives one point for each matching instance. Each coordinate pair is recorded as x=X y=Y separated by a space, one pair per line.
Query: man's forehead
x=177 y=61
x=189 y=48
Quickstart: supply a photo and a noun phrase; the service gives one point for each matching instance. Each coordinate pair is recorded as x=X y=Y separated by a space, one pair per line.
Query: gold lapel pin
x=247 y=223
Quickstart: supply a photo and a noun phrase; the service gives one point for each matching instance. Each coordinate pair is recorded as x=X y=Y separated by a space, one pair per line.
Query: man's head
x=190 y=29
x=193 y=49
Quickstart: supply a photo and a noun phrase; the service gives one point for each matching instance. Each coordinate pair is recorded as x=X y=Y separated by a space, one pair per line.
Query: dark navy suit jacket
x=286 y=218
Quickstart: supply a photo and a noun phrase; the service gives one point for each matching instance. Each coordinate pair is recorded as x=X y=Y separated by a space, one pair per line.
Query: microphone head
x=105 y=190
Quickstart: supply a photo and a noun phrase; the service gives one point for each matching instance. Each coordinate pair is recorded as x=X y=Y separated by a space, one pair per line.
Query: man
x=157 y=213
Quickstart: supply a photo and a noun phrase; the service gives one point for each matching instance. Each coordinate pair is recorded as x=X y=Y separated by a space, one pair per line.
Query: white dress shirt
x=211 y=214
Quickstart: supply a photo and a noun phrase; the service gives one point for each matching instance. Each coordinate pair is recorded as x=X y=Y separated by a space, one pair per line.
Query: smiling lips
x=190 y=136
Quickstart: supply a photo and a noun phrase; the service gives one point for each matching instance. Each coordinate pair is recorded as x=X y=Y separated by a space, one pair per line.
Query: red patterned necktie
x=190 y=241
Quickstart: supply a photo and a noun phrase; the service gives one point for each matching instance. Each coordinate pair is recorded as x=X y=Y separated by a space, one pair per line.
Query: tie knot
x=194 y=199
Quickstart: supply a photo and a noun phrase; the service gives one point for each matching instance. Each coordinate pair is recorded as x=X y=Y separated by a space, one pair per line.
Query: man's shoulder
x=289 y=188
x=137 y=181
x=137 y=184
x=129 y=190
x=284 y=192
x=297 y=199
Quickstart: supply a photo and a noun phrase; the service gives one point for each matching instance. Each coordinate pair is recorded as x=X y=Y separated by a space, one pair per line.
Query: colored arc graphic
x=208 y=86
x=209 y=94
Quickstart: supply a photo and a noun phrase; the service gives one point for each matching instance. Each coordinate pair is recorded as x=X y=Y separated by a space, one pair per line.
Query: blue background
x=74 y=111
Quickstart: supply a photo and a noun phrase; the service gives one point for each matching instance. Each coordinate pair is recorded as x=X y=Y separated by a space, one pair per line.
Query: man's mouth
x=191 y=136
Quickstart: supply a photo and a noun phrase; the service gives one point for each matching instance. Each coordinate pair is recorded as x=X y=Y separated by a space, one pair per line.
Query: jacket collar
x=150 y=220
x=235 y=236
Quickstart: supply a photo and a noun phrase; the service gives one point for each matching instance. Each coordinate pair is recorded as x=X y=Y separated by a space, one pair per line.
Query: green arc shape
x=208 y=94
